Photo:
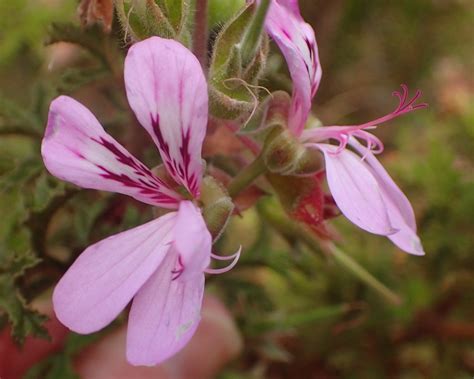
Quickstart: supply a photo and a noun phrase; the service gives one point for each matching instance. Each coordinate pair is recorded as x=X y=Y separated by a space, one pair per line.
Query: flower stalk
x=200 y=34
x=245 y=177
x=362 y=274
x=275 y=215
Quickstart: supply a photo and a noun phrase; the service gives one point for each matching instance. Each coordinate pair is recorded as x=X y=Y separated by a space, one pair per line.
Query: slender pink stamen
x=343 y=133
x=402 y=108
x=235 y=258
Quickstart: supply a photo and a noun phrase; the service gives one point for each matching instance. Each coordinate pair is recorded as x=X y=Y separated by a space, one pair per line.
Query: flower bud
x=281 y=151
x=284 y=154
x=304 y=200
x=238 y=59
x=141 y=19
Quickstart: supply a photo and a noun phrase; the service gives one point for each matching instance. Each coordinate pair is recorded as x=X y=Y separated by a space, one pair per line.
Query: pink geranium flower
x=361 y=187
x=161 y=264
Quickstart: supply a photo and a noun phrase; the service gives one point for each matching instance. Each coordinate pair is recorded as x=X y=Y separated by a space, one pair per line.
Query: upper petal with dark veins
x=77 y=149
x=297 y=42
x=167 y=90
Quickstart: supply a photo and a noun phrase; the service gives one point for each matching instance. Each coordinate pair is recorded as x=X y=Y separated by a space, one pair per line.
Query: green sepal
x=284 y=154
x=220 y=11
x=178 y=16
x=131 y=24
x=253 y=70
x=217 y=206
x=232 y=81
x=252 y=37
x=229 y=37
x=141 y=19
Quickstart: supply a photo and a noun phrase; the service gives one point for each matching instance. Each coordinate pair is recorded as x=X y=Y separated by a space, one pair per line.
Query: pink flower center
x=342 y=134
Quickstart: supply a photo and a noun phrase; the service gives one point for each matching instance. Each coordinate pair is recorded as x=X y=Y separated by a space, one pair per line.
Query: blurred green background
x=301 y=316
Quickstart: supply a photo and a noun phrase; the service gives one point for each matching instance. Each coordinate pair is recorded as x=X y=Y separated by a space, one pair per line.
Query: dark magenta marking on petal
x=148 y=184
x=177 y=272
x=314 y=64
x=285 y=33
x=155 y=123
x=175 y=168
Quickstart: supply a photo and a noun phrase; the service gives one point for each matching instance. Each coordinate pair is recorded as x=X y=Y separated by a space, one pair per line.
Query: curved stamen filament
x=343 y=133
x=402 y=108
x=235 y=258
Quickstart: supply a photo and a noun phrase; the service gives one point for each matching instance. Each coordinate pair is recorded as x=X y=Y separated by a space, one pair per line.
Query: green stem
x=276 y=216
x=245 y=177
x=294 y=320
x=357 y=270
x=252 y=36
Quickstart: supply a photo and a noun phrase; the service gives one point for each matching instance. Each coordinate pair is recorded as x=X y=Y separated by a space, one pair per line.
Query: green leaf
x=85 y=218
x=15 y=119
x=46 y=190
x=15 y=265
x=24 y=320
x=92 y=39
x=74 y=78
x=61 y=365
x=21 y=175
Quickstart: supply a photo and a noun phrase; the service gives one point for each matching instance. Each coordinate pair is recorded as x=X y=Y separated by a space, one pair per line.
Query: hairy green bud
x=284 y=154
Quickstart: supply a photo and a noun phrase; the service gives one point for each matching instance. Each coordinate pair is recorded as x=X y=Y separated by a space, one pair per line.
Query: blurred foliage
x=299 y=314
x=24 y=23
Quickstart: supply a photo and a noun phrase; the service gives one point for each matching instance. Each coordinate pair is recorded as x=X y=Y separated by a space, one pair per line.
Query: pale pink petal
x=400 y=211
x=105 y=277
x=167 y=90
x=406 y=238
x=164 y=316
x=76 y=149
x=291 y=5
x=355 y=191
x=297 y=42
x=192 y=240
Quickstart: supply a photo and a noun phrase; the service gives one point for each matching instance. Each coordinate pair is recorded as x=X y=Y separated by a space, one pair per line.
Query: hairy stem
x=245 y=177
x=200 y=35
